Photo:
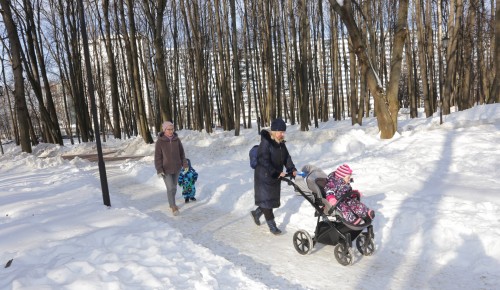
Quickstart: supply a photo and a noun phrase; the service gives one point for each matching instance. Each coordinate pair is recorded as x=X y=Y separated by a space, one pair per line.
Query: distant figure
x=272 y=157
x=187 y=179
x=352 y=210
x=169 y=155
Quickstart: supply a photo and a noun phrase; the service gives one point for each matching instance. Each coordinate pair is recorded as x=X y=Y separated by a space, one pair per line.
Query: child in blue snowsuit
x=187 y=179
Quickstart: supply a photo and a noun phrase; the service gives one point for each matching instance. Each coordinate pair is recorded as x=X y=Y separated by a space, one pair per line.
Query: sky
x=435 y=190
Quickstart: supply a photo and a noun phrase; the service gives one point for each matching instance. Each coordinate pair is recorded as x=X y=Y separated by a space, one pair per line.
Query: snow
x=435 y=189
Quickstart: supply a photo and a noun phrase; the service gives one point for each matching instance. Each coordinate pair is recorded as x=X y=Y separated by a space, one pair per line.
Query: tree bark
x=112 y=71
x=386 y=105
x=303 y=67
x=236 y=67
x=495 y=91
x=17 y=69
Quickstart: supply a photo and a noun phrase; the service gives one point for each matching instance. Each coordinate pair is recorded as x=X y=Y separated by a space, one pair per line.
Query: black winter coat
x=272 y=157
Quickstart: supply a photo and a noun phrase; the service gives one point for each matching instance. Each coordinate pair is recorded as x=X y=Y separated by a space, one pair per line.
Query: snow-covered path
x=272 y=260
x=226 y=234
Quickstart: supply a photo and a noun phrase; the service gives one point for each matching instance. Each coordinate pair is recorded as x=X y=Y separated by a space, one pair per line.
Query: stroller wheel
x=343 y=254
x=365 y=245
x=302 y=242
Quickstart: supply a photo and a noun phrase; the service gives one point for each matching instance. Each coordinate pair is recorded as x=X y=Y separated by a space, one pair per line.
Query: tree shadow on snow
x=483 y=270
x=417 y=222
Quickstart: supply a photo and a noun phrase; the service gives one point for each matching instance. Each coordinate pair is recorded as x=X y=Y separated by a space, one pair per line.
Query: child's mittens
x=356 y=194
x=331 y=199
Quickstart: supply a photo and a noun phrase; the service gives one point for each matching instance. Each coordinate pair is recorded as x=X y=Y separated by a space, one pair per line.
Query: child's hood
x=189 y=163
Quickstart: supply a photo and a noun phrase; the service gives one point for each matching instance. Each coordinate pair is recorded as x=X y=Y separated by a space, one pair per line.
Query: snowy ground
x=435 y=189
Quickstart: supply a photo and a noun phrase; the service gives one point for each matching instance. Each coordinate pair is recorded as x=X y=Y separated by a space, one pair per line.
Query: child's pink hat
x=342 y=171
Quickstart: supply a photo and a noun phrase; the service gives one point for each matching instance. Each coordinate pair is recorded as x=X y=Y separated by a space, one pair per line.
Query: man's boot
x=273 y=228
x=256 y=214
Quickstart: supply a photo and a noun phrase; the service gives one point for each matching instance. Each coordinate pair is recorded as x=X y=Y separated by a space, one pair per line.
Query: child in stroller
x=339 y=194
x=331 y=226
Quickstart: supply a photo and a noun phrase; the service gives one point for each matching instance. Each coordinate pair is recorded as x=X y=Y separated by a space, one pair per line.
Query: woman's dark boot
x=256 y=214
x=273 y=228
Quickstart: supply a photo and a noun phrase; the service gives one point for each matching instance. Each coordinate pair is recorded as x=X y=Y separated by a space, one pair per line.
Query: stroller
x=330 y=227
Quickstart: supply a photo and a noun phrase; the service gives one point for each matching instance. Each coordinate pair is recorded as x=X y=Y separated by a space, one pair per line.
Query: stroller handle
x=288 y=179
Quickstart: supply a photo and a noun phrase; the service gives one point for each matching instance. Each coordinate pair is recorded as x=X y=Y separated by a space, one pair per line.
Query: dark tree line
x=209 y=63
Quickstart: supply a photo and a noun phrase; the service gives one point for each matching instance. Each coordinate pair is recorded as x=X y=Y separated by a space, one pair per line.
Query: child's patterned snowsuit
x=351 y=208
x=187 y=179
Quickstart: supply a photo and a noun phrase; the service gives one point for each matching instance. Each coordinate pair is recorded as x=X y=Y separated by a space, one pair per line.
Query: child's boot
x=273 y=228
x=256 y=214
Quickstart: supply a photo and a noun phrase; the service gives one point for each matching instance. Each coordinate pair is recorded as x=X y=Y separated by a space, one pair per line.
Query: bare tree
x=112 y=70
x=35 y=70
x=424 y=56
x=207 y=63
x=154 y=15
x=131 y=40
x=386 y=104
x=236 y=68
x=70 y=35
x=15 y=53
x=496 y=83
x=223 y=75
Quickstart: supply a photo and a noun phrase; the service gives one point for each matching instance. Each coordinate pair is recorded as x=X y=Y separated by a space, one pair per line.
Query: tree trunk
x=248 y=63
x=353 y=85
x=304 y=44
x=112 y=72
x=35 y=66
x=324 y=99
x=222 y=75
x=236 y=67
x=75 y=70
x=396 y=60
x=422 y=57
x=294 y=68
x=386 y=105
x=336 y=71
x=454 y=19
x=155 y=19
x=495 y=90
x=17 y=69
x=133 y=65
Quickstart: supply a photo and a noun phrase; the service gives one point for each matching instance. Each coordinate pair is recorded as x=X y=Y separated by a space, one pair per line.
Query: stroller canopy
x=315 y=180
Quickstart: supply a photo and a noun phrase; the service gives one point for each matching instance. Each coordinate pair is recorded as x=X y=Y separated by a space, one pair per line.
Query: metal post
x=102 y=168
x=445 y=46
x=440 y=111
x=1 y=95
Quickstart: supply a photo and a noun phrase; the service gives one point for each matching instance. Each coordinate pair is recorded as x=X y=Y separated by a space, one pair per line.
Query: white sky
x=435 y=189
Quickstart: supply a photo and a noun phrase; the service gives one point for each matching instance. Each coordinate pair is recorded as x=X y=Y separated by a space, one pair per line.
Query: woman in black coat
x=272 y=157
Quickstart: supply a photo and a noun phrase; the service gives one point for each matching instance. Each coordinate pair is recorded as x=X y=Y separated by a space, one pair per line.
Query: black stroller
x=330 y=227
